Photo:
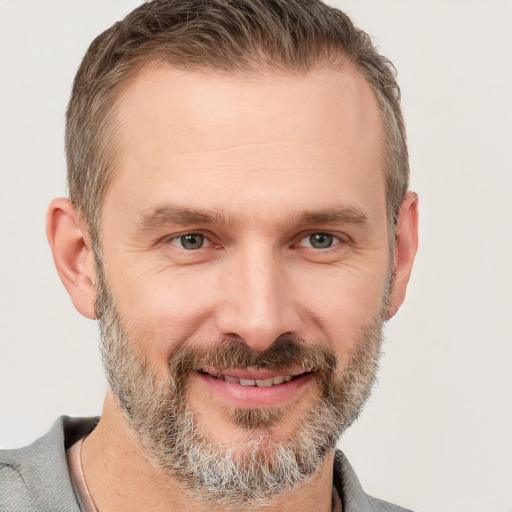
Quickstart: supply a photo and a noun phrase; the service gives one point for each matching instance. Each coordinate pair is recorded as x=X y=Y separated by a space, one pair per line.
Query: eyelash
x=337 y=239
x=174 y=240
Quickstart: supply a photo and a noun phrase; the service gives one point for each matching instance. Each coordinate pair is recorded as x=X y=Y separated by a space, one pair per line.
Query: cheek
x=345 y=306
x=160 y=312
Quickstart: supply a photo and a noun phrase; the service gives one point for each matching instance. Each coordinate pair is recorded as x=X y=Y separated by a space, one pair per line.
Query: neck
x=122 y=477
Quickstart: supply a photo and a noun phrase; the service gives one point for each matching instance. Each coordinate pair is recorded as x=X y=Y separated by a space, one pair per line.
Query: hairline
x=258 y=65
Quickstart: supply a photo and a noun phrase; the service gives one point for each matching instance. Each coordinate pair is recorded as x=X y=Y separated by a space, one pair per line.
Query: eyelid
x=173 y=239
x=341 y=238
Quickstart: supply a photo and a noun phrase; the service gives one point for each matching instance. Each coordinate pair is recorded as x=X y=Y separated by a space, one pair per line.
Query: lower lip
x=248 y=397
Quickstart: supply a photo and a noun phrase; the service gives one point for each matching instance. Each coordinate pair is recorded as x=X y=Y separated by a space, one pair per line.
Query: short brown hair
x=233 y=36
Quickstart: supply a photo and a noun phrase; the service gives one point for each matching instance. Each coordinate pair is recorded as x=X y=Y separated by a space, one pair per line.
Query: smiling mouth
x=255 y=382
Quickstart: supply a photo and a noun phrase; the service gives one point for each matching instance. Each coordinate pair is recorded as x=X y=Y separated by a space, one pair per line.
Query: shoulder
x=36 y=477
x=14 y=494
x=354 y=497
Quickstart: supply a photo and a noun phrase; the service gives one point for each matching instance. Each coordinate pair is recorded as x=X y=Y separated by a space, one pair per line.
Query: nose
x=258 y=303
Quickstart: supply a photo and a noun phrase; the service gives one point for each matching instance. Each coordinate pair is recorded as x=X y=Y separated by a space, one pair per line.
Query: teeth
x=261 y=383
x=247 y=382
x=265 y=383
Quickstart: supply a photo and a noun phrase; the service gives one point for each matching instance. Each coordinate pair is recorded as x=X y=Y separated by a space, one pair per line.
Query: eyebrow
x=168 y=215
x=339 y=215
x=165 y=215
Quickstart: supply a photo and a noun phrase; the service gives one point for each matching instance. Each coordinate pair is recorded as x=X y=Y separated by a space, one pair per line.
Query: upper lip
x=254 y=374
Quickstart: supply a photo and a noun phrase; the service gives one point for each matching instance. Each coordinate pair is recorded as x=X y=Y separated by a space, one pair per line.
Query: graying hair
x=226 y=36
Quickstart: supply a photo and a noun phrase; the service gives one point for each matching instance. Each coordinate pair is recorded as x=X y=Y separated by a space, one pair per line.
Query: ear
x=72 y=254
x=406 y=245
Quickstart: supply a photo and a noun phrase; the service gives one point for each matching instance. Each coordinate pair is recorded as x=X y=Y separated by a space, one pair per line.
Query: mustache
x=286 y=351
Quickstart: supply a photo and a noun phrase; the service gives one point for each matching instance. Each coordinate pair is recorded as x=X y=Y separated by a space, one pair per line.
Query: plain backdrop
x=437 y=433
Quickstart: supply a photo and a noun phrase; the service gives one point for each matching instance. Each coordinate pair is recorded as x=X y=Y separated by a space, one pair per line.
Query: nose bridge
x=258 y=306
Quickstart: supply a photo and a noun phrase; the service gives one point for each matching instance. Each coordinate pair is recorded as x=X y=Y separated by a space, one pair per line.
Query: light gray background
x=437 y=434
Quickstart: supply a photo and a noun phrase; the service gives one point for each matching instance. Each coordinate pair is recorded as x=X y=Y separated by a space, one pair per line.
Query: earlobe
x=406 y=245
x=72 y=254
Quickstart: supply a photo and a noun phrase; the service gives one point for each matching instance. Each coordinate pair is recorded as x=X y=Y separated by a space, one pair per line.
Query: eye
x=190 y=241
x=319 y=240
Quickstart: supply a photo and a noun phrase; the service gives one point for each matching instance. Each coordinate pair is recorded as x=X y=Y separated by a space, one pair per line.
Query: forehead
x=209 y=130
x=323 y=102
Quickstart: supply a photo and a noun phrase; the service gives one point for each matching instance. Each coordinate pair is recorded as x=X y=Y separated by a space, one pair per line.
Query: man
x=239 y=223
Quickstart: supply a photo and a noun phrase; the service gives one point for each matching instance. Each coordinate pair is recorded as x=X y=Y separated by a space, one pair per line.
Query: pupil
x=192 y=241
x=321 y=240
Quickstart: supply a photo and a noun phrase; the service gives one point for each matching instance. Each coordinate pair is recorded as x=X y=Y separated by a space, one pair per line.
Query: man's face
x=249 y=213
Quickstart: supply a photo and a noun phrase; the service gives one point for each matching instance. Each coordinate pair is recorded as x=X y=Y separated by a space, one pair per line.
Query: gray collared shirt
x=37 y=479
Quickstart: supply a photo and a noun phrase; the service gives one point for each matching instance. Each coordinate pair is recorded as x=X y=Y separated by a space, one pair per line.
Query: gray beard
x=255 y=471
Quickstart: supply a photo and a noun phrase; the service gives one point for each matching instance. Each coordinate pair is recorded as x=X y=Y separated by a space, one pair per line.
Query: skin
x=272 y=159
